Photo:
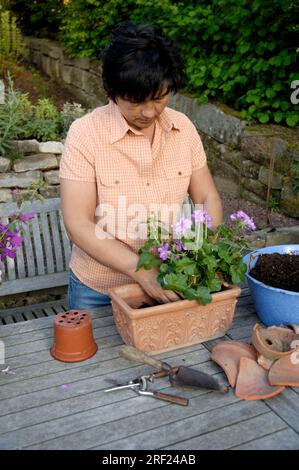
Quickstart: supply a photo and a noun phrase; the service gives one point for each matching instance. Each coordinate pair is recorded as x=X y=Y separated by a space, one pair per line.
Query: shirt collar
x=119 y=126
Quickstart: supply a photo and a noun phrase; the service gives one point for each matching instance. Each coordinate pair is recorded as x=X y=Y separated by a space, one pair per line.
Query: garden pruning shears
x=141 y=386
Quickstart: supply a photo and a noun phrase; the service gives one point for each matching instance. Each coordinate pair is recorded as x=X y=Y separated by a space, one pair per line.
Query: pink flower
x=182 y=226
x=201 y=216
x=164 y=253
x=26 y=216
x=244 y=218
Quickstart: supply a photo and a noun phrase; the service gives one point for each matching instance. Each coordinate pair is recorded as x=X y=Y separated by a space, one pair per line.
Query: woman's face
x=142 y=115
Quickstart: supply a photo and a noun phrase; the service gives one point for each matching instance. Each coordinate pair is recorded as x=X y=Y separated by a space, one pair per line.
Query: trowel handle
x=133 y=354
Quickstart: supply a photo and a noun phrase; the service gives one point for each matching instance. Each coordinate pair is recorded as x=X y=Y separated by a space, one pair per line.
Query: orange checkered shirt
x=102 y=148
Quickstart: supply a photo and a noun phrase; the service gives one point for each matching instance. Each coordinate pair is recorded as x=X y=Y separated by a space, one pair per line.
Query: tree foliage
x=238 y=52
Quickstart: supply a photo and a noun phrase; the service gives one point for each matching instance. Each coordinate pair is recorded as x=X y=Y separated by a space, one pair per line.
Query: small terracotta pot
x=73 y=337
x=173 y=325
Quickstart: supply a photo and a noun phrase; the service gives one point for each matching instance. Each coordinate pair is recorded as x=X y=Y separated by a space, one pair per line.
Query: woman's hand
x=147 y=279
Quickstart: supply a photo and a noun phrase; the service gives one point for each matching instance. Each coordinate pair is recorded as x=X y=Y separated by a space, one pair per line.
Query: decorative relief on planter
x=169 y=326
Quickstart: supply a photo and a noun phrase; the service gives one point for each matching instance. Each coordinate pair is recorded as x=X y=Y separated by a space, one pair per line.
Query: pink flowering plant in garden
x=11 y=235
x=11 y=232
x=194 y=260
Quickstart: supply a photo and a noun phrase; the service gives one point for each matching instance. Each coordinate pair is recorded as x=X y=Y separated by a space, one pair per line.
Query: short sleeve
x=199 y=159
x=77 y=161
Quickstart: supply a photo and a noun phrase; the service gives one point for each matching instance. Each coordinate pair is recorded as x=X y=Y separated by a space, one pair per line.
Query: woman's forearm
x=213 y=206
x=107 y=251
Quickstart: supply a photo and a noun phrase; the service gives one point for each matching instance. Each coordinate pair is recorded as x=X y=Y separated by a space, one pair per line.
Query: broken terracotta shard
x=272 y=343
x=285 y=371
x=264 y=362
x=252 y=382
x=227 y=355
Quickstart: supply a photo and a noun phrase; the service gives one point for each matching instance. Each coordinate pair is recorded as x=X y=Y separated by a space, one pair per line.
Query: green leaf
x=175 y=282
x=263 y=117
x=203 y=294
x=164 y=268
x=270 y=93
x=278 y=117
x=292 y=120
x=214 y=285
x=147 y=260
x=244 y=48
x=186 y=265
x=237 y=275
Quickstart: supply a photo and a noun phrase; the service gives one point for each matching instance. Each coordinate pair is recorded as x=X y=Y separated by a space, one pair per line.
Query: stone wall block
x=66 y=73
x=260 y=148
x=5 y=164
x=55 y=68
x=249 y=196
x=27 y=146
x=51 y=191
x=225 y=170
x=250 y=169
x=55 y=52
x=19 y=180
x=6 y=195
x=77 y=77
x=45 y=64
x=81 y=62
x=39 y=161
x=91 y=84
x=255 y=187
x=289 y=203
x=52 y=177
x=50 y=147
x=264 y=175
x=36 y=58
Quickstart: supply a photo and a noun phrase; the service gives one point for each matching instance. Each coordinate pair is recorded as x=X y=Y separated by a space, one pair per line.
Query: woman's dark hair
x=139 y=62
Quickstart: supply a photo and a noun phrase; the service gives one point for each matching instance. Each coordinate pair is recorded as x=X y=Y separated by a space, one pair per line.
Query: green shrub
x=91 y=32
x=239 y=52
x=11 y=118
x=44 y=124
x=40 y=18
x=11 y=43
x=69 y=113
x=20 y=119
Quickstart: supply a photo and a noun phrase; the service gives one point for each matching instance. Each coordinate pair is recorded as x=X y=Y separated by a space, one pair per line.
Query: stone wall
x=239 y=154
x=40 y=162
x=81 y=76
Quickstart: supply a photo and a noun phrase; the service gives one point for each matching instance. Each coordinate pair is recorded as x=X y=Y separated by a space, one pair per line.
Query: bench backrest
x=43 y=259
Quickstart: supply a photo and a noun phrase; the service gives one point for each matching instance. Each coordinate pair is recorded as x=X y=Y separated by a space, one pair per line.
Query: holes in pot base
x=72 y=318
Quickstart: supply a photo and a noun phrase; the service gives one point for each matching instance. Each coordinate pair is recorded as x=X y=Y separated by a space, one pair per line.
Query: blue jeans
x=82 y=297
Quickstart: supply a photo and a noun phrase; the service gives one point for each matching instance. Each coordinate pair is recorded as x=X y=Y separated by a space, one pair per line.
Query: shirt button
x=148 y=184
x=116 y=182
x=180 y=172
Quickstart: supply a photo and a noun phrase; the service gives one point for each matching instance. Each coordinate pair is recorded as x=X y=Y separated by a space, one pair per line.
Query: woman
x=135 y=150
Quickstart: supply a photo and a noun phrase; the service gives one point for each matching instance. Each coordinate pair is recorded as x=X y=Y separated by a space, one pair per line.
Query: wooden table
x=49 y=404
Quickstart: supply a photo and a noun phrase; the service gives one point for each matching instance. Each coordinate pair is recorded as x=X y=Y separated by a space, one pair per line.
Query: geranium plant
x=11 y=235
x=11 y=232
x=195 y=260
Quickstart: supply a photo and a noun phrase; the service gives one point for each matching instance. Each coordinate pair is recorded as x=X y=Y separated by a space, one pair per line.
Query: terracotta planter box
x=170 y=326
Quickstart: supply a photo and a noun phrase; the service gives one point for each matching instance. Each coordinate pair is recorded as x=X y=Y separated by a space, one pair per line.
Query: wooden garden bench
x=42 y=261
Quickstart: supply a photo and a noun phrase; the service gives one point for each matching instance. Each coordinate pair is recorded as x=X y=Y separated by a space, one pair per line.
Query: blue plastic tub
x=274 y=306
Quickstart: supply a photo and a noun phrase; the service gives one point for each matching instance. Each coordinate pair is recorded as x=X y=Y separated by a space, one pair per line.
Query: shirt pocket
x=110 y=187
x=117 y=189
x=109 y=180
x=177 y=176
